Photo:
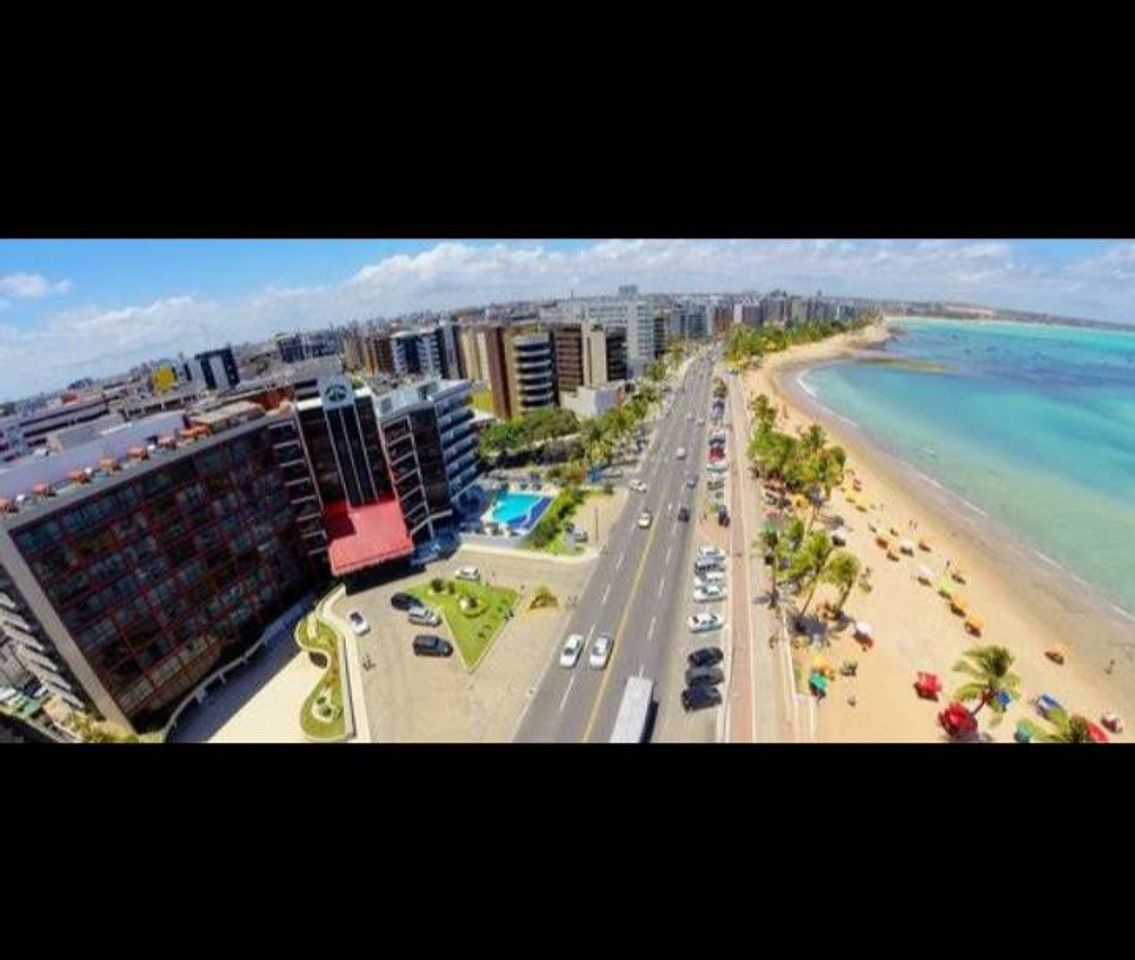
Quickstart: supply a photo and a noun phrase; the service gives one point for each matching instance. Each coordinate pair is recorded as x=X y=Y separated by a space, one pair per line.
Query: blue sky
x=77 y=307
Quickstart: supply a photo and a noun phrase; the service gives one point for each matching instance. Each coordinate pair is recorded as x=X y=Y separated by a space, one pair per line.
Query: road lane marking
x=566 y=692
x=650 y=632
x=622 y=557
x=606 y=594
x=661 y=586
x=641 y=669
x=669 y=550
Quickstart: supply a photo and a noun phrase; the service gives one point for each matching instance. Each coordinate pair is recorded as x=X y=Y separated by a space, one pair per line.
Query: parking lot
x=412 y=699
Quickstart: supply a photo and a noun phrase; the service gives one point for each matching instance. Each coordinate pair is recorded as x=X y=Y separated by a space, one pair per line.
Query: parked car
x=698 y=698
x=839 y=540
x=644 y=519
x=707 y=577
x=570 y=653
x=706 y=656
x=601 y=651
x=692 y=481
x=424 y=617
x=403 y=601
x=704 y=622
x=710 y=593
x=684 y=514
x=638 y=486
x=705 y=564
x=704 y=676
x=358 y=623
x=708 y=550
x=428 y=645
x=680 y=453
x=580 y=536
x=467 y=573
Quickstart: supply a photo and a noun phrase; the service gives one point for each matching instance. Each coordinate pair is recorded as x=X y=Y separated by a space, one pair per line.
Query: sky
x=75 y=308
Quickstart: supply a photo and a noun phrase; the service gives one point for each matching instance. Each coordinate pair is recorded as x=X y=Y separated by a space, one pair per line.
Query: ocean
x=1033 y=426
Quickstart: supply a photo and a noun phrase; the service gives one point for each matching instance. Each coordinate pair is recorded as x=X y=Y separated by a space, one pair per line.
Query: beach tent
x=1025 y=732
x=925 y=575
x=928 y=686
x=1046 y=705
x=957 y=721
x=957 y=575
x=906 y=546
x=882 y=541
x=1057 y=654
x=1004 y=699
x=924 y=544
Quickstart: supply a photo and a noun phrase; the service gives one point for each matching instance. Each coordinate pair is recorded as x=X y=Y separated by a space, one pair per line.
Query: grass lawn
x=482 y=400
x=473 y=633
x=329 y=688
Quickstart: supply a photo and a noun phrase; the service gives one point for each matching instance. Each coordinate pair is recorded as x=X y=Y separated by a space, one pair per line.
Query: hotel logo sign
x=336 y=392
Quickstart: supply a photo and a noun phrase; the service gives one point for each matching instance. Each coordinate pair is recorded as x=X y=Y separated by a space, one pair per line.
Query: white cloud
x=31 y=286
x=98 y=341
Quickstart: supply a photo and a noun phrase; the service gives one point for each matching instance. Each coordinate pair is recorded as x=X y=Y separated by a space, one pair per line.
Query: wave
x=973 y=507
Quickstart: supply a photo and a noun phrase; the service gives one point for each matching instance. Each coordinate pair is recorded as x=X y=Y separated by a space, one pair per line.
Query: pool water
x=518 y=509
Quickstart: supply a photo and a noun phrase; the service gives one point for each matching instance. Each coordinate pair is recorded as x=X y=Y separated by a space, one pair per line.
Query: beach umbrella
x=1046 y=705
x=945 y=588
x=1097 y=735
x=906 y=546
x=928 y=686
x=957 y=575
x=1057 y=654
x=862 y=629
x=924 y=544
x=957 y=721
x=1113 y=722
x=974 y=624
x=818 y=682
x=958 y=604
x=925 y=575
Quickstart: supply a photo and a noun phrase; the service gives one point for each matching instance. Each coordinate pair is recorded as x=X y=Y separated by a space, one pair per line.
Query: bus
x=634 y=711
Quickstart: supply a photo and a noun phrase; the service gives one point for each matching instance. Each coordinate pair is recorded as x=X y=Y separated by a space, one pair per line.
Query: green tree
x=841 y=571
x=1066 y=729
x=776 y=545
x=809 y=564
x=990 y=670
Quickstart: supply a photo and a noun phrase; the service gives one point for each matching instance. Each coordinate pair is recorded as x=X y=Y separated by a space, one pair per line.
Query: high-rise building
x=307 y=345
x=522 y=368
x=216 y=368
x=431 y=351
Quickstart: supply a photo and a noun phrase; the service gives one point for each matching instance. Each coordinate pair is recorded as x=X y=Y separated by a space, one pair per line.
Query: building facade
x=216 y=368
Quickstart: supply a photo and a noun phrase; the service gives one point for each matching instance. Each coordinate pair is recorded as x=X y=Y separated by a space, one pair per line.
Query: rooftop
x=360 y=537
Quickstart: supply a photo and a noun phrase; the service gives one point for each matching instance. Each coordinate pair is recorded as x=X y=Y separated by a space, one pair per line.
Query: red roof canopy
x=363 y=537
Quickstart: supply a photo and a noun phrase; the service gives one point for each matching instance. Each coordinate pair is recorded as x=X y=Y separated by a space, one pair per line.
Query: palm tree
x=1066 y=729
x=989 y=668
x=810 y=562
x=776 y=545
x=842 y=571
x=813 y=440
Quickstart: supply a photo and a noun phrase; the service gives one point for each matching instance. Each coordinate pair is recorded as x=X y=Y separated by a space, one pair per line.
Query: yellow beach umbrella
x=958 y=604
x=974 y=624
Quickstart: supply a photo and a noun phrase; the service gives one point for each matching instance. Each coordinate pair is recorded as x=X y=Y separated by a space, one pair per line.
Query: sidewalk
x=353 y=666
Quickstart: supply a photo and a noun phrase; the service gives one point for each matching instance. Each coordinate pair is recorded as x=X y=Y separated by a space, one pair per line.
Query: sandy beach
x=1025 y=603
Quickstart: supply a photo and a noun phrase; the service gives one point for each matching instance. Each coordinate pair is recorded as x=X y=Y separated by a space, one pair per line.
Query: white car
x=710 y=593
x=600 y=651
x=638 y=486
x=644 y=519
x=680 y=453
x=691 y=482
x=718 y=466
x=708 y=550
x=467 y=573
x=707 y=577
x=358 y=623
x=571 y=651
x=704 y=622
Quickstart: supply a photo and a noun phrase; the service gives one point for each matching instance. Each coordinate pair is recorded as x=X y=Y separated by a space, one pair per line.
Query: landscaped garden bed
x=474 y=612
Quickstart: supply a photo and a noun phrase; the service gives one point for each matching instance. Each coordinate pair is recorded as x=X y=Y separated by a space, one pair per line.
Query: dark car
x=706 y=657
x=698 y=698
x=723 y=518
x=704 y=676
x=684 y=514
x=403 y=601
x=427 y=645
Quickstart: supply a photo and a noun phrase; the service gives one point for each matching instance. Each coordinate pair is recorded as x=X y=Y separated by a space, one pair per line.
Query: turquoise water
x=515 y=508
x=1032 y=425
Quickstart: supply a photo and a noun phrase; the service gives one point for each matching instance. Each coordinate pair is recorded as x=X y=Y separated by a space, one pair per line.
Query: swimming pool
x=518 y=509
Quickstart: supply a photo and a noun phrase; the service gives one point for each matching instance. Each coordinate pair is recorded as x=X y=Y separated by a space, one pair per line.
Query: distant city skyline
x=76 y=308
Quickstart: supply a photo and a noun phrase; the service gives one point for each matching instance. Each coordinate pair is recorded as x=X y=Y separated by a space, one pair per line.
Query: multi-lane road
x=639 y=593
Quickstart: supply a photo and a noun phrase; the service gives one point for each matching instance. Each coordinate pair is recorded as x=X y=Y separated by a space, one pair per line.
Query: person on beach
x=1110 y=667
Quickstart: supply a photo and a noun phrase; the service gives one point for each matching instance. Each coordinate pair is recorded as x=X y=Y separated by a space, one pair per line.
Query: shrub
x=437 y=584
x=543 y=598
